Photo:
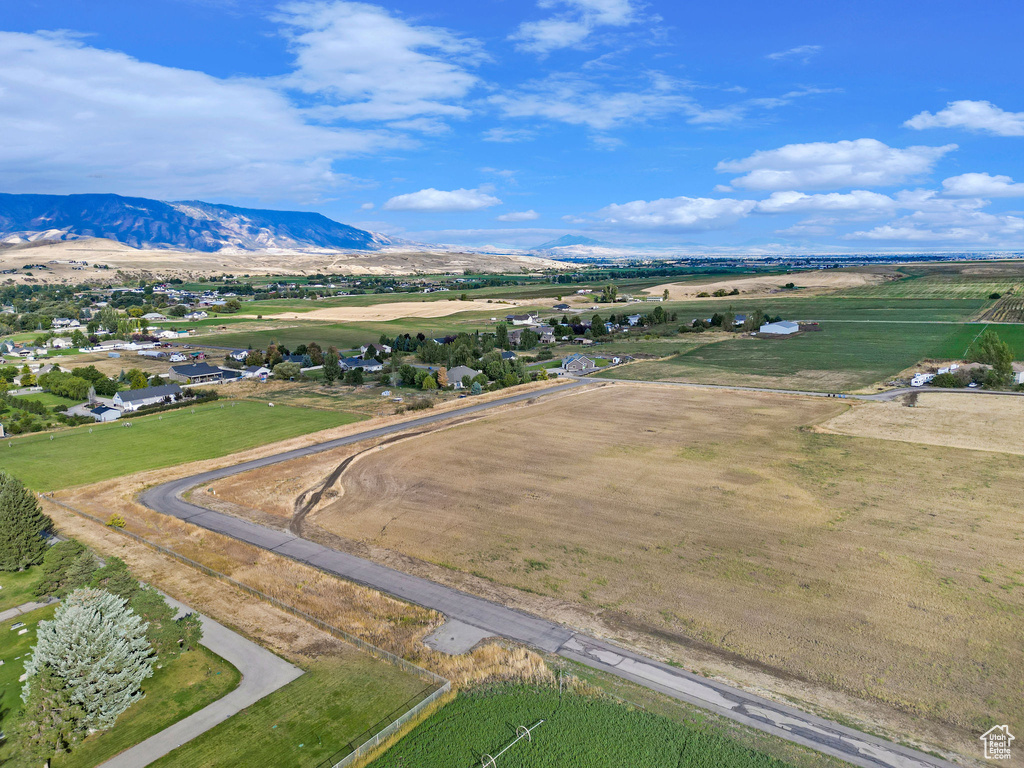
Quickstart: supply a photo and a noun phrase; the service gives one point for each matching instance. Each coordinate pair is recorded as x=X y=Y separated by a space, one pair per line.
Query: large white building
x=780 y=328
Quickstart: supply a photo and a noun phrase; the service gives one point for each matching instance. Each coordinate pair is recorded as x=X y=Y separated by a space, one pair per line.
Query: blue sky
x=857 y=126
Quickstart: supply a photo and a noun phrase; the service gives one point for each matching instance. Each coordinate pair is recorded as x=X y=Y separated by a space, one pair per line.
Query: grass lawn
x=14 y=649
x=309 y=720
x=88 y=454
x=578 y=732
x=186 y=685
x=19 y=588
x=47 y=399
x=841 y=356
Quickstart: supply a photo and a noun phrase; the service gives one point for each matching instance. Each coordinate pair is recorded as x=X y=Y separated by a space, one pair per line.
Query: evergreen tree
x=501 y=335
x=97 y=647
x=114 y=577
x=332 y=369
x=50 y=723
x=67 y=566
x=22 y=526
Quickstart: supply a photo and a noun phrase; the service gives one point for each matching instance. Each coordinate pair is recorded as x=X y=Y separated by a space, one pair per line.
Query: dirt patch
x=402 y=309
x=818 y=281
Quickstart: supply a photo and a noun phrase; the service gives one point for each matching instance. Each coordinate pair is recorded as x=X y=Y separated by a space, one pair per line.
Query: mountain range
x=566 y=240
x=191 y=224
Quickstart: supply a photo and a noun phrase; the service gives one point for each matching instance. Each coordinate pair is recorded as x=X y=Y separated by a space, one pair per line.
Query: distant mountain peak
x=566 y=240
x=190 y=224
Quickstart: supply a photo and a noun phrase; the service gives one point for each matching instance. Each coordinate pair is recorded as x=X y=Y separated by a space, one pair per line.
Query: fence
x=388 y=725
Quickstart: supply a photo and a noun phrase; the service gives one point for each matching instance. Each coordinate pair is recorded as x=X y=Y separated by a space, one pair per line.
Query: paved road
x=262 y=674
x=18 y=610
x=495 y=619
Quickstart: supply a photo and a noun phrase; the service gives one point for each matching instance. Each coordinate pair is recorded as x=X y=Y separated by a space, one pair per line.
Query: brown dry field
x=972 y=421
x=402 y=309
x=176 y=263
x=722 y=528
x=813 y=281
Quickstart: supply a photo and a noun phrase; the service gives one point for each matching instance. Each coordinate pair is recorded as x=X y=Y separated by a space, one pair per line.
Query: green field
x=578 y=732
x=186 y=685
x=841 y=356
x=934 y=286
x=47 y=399
x=19 y=587
x=813 y=308
x=88 y=454
x=307 y=721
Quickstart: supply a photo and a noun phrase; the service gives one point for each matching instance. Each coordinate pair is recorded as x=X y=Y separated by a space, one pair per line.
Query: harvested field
x=958 y=420
x=400 y=309
x=718 y=521
x=816 y=281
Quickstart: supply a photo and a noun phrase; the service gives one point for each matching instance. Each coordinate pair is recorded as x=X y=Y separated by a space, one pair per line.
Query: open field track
x=812 y=281
x=790 y=548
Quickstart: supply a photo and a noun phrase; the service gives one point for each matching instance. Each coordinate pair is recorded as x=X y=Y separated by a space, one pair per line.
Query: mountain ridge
x=142 y=222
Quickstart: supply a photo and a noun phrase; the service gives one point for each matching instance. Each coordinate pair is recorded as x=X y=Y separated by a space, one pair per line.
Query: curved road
x=786 y=722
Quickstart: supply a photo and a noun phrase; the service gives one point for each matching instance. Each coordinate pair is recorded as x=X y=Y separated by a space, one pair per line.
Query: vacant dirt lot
x=812 y=281
x=722 y=520
x=400 y=309
x=973 y=421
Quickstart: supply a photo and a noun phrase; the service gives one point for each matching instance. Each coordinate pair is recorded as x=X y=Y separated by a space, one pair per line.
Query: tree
x=408 y=375
x=96 y=647
x=114 y=577
x=997 y=353
x=476 y=389
x=664 y=295
x=255 y=357
x=428 y=383
x=332 y=369
x=178 y=310
x=501 y=335
x=67 y=565
x=442 y=377
x=316 y=354
x=287 y=370
x=232 y=305
x=137 y=379
x=50 y=722
x=354 y=376
x=23 y=526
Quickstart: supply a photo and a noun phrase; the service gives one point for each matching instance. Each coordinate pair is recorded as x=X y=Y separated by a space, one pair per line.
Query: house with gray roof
x=458 y=373
x=196 y=373
x=133 y=399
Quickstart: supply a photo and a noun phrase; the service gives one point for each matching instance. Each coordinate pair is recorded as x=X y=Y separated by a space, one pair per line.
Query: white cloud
x=973 y=115
x=438 y=200
x=75 y=118
x=859 y=200
x=824 y=165
x=530 y=215
x=678 y=213
x=508 y=135
x=958 y=222
x=802 y=53
x=981 y=185
x=573 y=25
x=368 y=64
x=570 y=98
x=366 y=207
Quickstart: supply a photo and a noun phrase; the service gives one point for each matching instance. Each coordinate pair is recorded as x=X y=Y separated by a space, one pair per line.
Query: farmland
x=578 y=731
x=719 y=520
x=87 y=454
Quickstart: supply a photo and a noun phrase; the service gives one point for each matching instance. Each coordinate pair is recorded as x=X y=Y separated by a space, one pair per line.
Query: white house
x=59 y=342
x=134 y=399
x=781 y=328
x=200 y=315
x=255 y=372
x=104 y=413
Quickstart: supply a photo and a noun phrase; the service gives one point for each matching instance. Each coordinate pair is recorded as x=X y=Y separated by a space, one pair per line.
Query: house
x=582 y=340
x=134 y=399
x=527 y=319
x=375 y=350
x=515 y=335
x=199 y=315
x=509 y=356
x=59 y=342
x=578 y=364
x=781 y=328
x=546 y=333
x=104 y=413
x=368 y=366
x=238 y=354
x=196 y=373
x=561 y=307
x=64 y=322
x=458 y=373
x=166 y=334
x=633 y=319
x=739 y=320
x=653 y=298
x=255 y=372
x=154 y=317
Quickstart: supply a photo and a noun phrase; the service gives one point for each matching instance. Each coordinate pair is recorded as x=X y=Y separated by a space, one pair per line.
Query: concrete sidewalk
x=18 y=610
x=262 y=674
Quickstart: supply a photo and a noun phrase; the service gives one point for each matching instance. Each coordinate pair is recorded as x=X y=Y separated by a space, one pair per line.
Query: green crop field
x=841 y=356
x=88 y=454
x=308 y=721
x=577 y=732
x=814 y=308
